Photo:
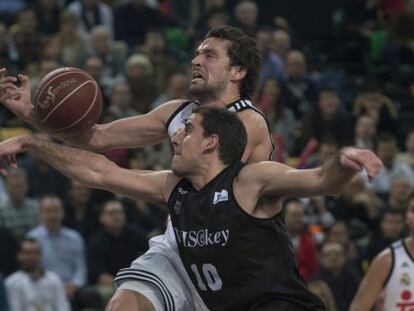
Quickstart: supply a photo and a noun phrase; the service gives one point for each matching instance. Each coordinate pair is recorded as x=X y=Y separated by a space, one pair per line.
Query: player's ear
x=238 y=73
x=211 y=142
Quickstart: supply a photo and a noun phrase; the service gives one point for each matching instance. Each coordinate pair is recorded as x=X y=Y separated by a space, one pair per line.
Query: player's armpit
x=373 y=282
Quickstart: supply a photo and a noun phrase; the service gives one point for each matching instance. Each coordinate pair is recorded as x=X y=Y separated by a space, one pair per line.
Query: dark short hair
x=385 y=137
x=229 y=129
x=242 y=52
x=28 y=240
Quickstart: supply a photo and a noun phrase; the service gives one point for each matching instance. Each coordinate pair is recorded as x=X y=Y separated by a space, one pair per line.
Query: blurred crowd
x=334 y=73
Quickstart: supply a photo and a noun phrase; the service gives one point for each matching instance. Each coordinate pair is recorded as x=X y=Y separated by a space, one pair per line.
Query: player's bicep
x=137 y=131
x=373 y=283
x=276 y=179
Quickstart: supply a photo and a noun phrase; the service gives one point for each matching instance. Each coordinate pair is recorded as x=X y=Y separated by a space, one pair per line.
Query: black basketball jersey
x=178 y=118
x=236 y=261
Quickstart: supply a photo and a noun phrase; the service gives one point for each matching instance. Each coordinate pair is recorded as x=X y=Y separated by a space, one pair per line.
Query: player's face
x=187 y=146
x=410 y=216
x=210 y=68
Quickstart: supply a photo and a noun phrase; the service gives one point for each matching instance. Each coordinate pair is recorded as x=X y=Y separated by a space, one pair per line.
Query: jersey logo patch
x=221 y=196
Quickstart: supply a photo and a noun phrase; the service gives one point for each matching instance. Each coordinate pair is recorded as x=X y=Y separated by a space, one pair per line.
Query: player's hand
x=16 y=99
x=8 y=150
x=357 y=159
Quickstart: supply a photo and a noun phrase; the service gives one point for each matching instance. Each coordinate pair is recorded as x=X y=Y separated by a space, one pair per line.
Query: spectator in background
x=94 y=65
x=387 y=150
x=163 y=60
x=28 y=40
x=18 y=213
x=44 y=66
x=301 y=238
x=120 y=101
x=335 y=272
x=91 y=13
x=397 y=199
x=177 y=87
x=112 y=53
x=8 y=51
x=32 y=288
x=133 y=19
x=281 y=119
x=365 y=132
x=272 y=64
x=408 y=156
x=299 y=90
x=370 y=101
x=63 y=250
x=113 y=247
x=72 y=41
x=8 y=252
x=140 y=78
x=328 y=118
x=48 y=16
x=245 y=17
x=281 y=43
x=391 y=228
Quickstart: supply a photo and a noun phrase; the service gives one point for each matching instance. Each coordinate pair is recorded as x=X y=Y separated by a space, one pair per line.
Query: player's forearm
x=83 y=166
x=334 y=176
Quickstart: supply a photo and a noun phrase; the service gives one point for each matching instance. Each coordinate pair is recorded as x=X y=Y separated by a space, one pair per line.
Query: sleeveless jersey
x=234 y=260
x=399 y=287
x=177 y=122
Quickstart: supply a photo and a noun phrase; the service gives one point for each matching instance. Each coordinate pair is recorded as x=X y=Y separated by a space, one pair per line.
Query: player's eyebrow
x=205 y=51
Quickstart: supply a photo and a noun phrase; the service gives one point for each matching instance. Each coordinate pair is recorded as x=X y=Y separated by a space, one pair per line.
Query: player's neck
x=221 y=101
x=205 y=173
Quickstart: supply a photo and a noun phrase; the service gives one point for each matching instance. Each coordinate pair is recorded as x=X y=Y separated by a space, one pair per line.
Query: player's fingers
x=350 y=163
x=24 y=80
x=8 y=79
x=2 y=72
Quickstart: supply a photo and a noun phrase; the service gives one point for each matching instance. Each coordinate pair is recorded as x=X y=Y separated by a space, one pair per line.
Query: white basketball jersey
x=399 y=287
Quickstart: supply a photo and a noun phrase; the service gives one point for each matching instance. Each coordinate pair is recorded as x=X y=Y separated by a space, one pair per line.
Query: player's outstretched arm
x=130 y=132
x=373 y=283
x=93 y=170
x=271 y=178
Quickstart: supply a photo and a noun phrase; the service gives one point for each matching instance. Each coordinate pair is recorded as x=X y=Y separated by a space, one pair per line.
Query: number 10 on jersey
x=210 y=275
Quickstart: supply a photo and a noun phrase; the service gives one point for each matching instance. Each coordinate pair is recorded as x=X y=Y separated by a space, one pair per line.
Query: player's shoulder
x=169 y=108
x=383 y=260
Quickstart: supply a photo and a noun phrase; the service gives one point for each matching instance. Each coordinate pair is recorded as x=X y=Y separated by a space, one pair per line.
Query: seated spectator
x=91 y=13
x=112 y=53
x=8 y=252
x=391 y=228
x=245 y=17
x=272 y=65
x=113 y=247
x=327 y=118
x=139 y=73
x=365 y=132
x=281 y=43
x=370 y=101
x=48 y=15
x=120 y=101
x=281 y=119
x=177 y=87
x=132 y=20
x=336 y=273
x=299 y=90
x=28 y=40
x=63 y=250
x=32 y=288
x=72 y=41
x=393 y=169
x=397 y=199
x=18 y=213
x=301 y=238
x=163 y=60
x=408 y=156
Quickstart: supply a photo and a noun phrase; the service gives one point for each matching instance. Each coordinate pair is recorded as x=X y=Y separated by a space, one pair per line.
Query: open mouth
x=197 y=76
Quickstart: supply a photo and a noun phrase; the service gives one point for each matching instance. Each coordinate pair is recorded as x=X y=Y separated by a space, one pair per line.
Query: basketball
x=68 y=101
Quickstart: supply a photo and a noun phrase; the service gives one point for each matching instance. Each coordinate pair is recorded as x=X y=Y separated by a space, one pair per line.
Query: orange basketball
x=68 y=101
